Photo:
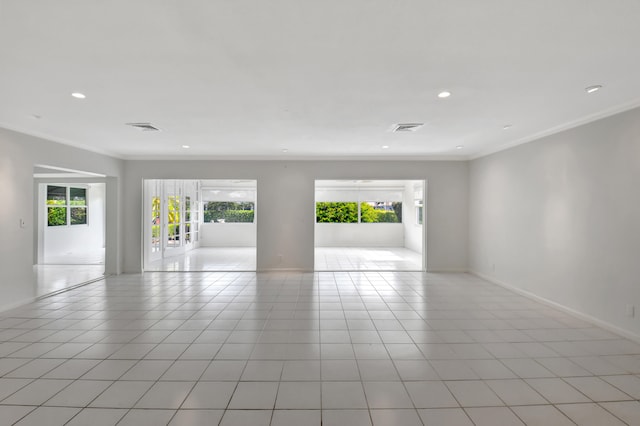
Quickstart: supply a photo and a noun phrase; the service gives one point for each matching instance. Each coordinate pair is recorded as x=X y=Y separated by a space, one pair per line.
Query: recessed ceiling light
x=78 y=95
x=507 y=126
x=459 y=146
x=186 y=146
x=444 y=94
x=385 y=146
x=593 y=89
x=285 y=150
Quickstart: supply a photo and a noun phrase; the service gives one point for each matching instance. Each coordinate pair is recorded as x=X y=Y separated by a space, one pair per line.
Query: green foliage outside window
x=56 y=195
x=59 y=198
x=78 y=215
x=347 y=212
x=233 y=216
x=56 y=216
x=174 y=210
x=386 y=214
x=229 y=212
x=155 y=212
x=336 y=212
x=77 y=196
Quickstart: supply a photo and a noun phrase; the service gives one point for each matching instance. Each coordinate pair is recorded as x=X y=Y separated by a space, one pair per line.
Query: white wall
x=75 y=239
x=359 y=235
x=228 y=235
x=559 y=218
x=18 y=155
x=286 y=204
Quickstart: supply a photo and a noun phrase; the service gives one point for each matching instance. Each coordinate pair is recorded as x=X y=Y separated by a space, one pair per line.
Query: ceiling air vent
x=145 y=127
x=407 y=127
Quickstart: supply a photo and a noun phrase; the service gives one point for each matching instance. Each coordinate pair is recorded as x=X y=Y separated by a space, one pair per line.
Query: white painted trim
x=62 y=141
x=73 y=172
x=559 y=128
x=310 y=157
x=600 y=323
x=279 y=270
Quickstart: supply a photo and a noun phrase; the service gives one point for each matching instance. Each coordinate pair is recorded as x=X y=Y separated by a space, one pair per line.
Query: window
x=78 y=206
x=419 y=212
x=348 y=212
x=66 y=206
x=187 y=219
x=336 y=212
x=173 y=220
x=155 y=224
x=229 y=212
x=381 y=212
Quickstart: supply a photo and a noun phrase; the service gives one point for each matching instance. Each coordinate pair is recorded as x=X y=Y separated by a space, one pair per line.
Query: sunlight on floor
x=209 y=259
x=367 y=259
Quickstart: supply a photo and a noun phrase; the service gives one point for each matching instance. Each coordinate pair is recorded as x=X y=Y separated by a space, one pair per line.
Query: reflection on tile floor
x=358 y=348
x=209 y=259
x=85 y=256
x=367 y=259
x=52 y=278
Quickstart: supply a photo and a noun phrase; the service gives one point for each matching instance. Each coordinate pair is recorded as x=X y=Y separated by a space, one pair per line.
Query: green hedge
x=336 y=212
x=229 y=211
x=235 y=216
x=368 y=214
x=229 y=216
x=57 y=216
x=347 y=212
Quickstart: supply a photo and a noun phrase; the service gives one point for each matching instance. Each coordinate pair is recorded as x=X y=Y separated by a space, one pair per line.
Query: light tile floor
x=208 y=259
x=52 y=278
x=362 y=348
x=64 y=270
x=83 y=256
x=367 y=259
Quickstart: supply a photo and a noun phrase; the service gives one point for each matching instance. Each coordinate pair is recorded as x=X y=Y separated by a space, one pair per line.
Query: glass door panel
x=155 y=224
x=187 y=219
x=173 y=221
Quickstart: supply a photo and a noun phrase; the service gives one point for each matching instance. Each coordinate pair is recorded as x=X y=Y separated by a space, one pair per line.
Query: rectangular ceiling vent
x=145 y=127
x=407 y=127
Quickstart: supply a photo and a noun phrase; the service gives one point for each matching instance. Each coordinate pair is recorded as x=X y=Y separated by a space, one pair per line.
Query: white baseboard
x=283 y=270
x=586 y=317
x=448 y=271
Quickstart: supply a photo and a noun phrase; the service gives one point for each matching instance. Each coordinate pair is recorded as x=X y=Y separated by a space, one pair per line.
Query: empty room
x=331 y=213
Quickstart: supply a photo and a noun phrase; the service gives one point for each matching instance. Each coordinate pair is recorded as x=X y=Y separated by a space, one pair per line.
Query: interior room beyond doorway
x=200 y=225
x=70 y=238
x=369 y=225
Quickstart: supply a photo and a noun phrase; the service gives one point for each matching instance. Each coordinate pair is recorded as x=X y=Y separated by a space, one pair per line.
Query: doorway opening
x=370 y=225
x=199 y=225
x=70 y=237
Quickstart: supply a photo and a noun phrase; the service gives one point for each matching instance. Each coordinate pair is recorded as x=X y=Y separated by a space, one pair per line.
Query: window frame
x=68 y=205
x=359 y=204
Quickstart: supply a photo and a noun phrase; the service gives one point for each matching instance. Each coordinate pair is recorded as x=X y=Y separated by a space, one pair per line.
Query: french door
x=171 y=213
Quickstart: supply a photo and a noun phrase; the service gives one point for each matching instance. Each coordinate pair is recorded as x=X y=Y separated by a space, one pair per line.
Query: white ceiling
x=322 y=79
